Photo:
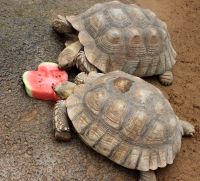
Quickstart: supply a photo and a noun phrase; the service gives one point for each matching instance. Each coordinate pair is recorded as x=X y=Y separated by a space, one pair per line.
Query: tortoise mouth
x=122 y=84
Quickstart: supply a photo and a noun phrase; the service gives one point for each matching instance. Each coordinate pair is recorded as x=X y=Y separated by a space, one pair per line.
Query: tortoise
x=123 y=118
x=116 y=36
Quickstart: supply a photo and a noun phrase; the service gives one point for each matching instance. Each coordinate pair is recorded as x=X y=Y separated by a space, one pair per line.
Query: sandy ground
x=28 y=149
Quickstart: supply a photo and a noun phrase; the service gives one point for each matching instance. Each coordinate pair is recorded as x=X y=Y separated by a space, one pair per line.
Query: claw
x=191 y=134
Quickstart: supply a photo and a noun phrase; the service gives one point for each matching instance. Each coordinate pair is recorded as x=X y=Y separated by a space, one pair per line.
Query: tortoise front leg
x=147 y=176
x=67 y=57
x=83 y=64
x=60 y=122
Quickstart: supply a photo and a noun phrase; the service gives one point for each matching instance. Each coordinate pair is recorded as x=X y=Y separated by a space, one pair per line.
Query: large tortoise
x=116 y=36
x=123 y=118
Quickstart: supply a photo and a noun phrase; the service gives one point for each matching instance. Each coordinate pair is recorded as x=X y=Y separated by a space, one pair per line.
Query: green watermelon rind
x=26 y=83
x=48 y=63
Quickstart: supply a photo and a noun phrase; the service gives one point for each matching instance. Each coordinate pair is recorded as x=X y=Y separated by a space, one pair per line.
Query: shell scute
x=107 y=144
x=135 y=126
x=136 y=44
x=94 y=99
x=143 y=163
x=119 y=155
x=133 y=157
x=81 y=122
x=137 y=16
x=115 y=112
x=118 y=17
x=112 y=41
x=154 y=46
x=93 y=134
x=95 y=24
x=153 y=161
x=162 y=158
x=156 y=134
x=73 y=111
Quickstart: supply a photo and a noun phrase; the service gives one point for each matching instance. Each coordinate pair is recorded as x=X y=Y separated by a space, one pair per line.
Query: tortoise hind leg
x=188 y=129
x=166 y=78
x=61 y=25
x=147 y=176
x=60 y=122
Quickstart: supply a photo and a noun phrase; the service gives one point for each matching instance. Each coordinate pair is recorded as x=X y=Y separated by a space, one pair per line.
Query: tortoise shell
x=127 y=120
x=118 y=36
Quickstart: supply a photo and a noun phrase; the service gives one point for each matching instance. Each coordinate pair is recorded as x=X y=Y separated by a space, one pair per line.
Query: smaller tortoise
x=116 y=36
x=123 y=118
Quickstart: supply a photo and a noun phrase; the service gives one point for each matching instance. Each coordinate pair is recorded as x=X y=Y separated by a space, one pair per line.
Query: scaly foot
x=166 y=78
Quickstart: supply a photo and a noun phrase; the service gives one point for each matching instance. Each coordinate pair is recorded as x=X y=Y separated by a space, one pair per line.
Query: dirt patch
x=28 y=149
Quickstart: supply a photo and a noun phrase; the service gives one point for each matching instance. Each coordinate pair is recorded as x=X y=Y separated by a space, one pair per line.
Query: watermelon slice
x=38 y=84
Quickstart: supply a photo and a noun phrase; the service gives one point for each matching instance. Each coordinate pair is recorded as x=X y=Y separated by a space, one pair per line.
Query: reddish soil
x=182 y=18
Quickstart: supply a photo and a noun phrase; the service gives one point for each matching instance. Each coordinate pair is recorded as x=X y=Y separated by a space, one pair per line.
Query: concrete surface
x=28 y=149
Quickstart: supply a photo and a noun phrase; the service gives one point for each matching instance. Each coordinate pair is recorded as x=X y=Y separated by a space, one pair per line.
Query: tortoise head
x=64 y=89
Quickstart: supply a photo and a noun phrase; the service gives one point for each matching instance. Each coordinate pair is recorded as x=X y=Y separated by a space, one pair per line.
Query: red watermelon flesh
x=39 y=83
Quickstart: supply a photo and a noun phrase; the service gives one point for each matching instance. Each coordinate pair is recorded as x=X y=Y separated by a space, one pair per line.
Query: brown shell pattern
x=127 y=120
x=118 y=36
